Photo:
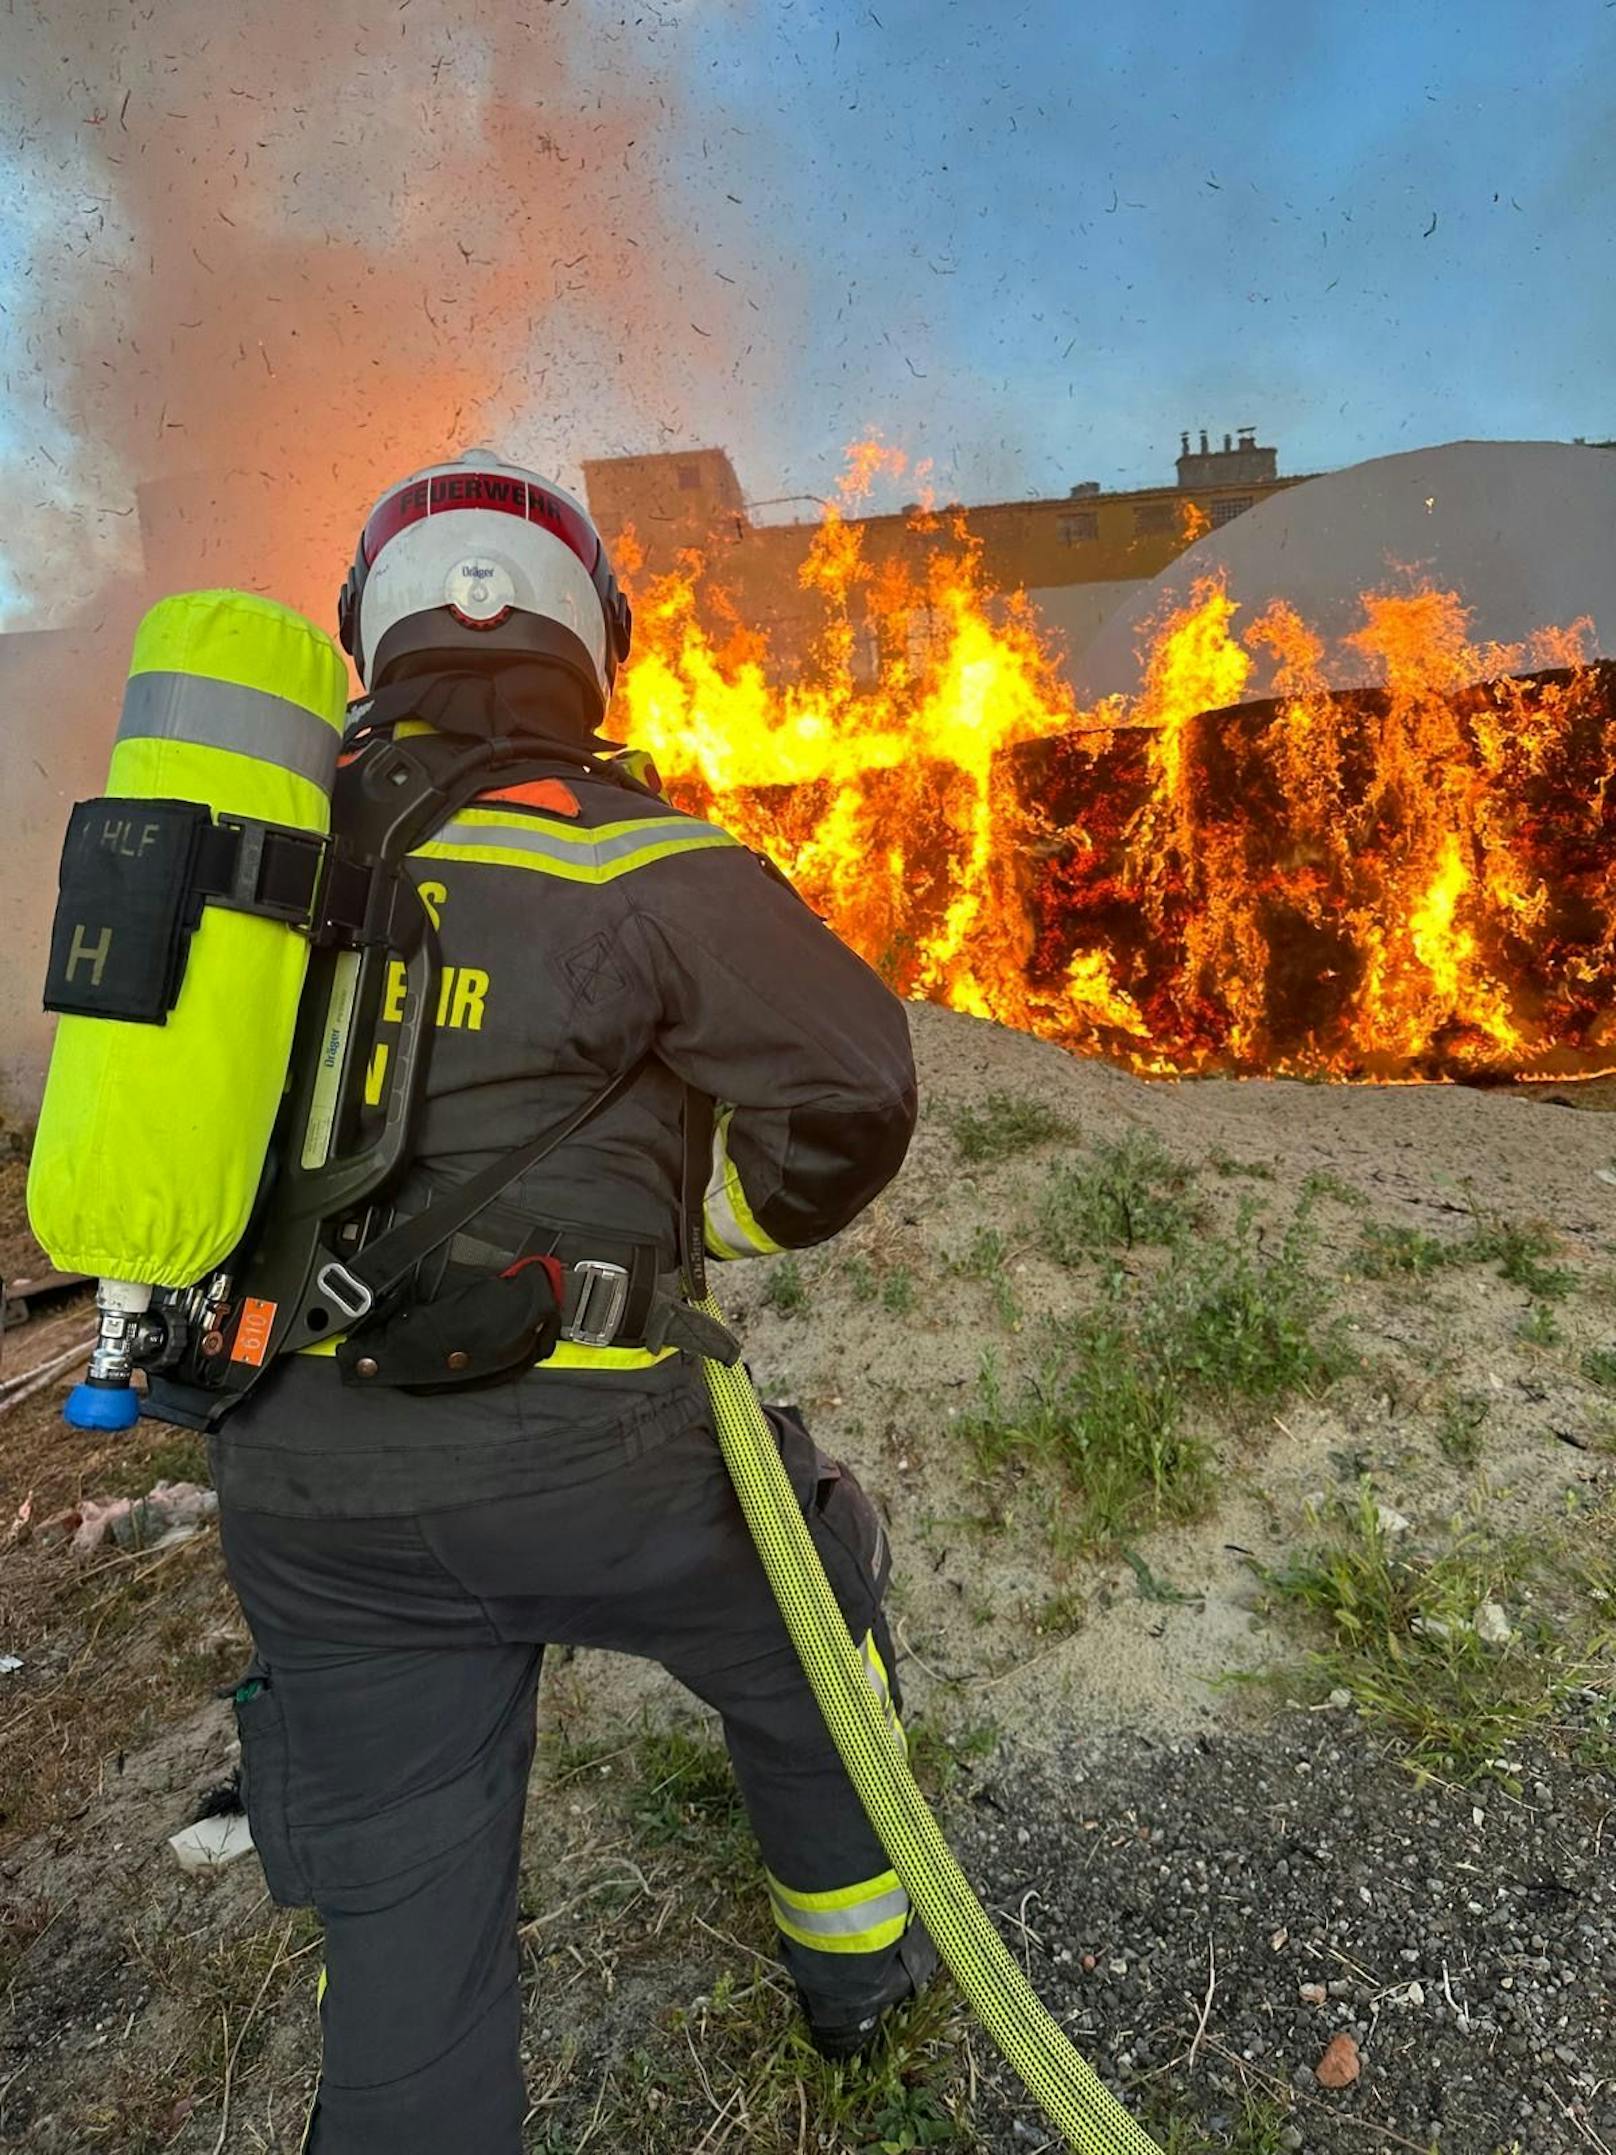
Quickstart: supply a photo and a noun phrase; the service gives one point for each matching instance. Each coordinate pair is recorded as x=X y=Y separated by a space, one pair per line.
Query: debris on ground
x=1340 y=2065
x=170 y=1514
x=208 y=1843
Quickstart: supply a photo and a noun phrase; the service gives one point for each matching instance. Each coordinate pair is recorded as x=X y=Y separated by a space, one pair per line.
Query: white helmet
x=483 y=557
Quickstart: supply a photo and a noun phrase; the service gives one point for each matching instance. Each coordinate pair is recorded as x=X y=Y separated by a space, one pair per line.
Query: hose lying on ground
x=1049 y=2067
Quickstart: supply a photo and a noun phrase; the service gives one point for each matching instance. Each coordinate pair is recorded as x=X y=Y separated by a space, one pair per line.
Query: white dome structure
x=1525 y=532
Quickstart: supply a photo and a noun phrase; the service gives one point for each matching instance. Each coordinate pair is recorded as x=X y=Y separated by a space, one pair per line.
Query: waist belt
x=610 y=1295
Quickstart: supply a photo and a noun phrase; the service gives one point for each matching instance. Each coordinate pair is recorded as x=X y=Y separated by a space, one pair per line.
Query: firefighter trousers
x=387 y=1731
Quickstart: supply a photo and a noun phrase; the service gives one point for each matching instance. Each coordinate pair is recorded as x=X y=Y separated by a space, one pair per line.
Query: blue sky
x=1038 y=239
x=1027 y=242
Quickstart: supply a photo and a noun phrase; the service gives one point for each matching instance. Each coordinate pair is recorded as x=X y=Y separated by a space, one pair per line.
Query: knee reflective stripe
x=1068 y=2088
x=731 y=1230
x=876 y=1670
x=865 y=1918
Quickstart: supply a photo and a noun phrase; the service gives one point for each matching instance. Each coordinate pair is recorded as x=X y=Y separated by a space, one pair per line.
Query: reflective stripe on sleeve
x=852 y=1919
x=223 y=714
x=731 y=1228
x=587 y=856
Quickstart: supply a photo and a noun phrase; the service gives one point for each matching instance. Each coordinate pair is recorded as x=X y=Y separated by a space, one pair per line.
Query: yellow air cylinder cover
x=152 y=1136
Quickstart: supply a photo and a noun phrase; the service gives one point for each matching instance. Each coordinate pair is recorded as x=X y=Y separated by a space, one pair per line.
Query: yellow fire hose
x=1049 y=2067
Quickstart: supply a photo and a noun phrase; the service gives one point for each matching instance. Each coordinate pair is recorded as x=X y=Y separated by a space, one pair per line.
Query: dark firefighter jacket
x=582 y=924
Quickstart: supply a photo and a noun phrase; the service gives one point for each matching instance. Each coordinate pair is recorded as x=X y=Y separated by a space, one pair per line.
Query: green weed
x=1540 y=1327
x=1225 y=1164
x=988 y=1259
x=1518 y=1251
x=938 y=1757
x=1116 y=1405
x=1258 y=2130
x=1459 y=1426
x=898 y=1293
x=1599 y=1367
x=1130 y=1191
x=787 y=1290
x=685 y=1798
x=1005 y=1125
x=1403 y=1638
x=1387 y=1251
x=1324 y=1182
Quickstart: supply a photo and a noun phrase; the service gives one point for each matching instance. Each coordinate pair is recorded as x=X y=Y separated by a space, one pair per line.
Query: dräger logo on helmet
x=479 y=591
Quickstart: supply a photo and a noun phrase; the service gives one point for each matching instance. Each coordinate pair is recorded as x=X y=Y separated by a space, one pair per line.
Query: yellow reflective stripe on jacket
x=501 y=840
x=731 y=1228
x=865 y=1918
x=568 y=1355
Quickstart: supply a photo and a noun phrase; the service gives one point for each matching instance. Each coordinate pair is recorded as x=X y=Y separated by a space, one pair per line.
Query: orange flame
x=1411 y=881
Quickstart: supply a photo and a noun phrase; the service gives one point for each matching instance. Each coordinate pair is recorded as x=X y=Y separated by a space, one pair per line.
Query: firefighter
x=404 y=1556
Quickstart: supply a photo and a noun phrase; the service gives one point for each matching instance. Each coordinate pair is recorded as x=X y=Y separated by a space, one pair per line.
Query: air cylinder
x=178 y=956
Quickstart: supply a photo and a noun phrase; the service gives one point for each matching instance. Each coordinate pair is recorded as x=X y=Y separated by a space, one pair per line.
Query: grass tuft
x=1004 y=1125
x=1404 y=1640
x=787 y=1290
x=1130 y=1192
x=685 y=1799
x=1116 y=1406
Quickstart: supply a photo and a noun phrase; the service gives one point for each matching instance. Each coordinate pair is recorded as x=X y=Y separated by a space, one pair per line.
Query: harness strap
x=356 y=1286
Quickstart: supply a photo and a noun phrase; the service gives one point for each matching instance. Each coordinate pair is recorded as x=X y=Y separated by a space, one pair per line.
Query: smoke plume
x=257 y=263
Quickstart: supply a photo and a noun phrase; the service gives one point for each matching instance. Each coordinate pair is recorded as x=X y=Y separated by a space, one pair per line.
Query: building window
x=1079 y=528
x=1225 y=512
x=1152 y=518
x=690 y=478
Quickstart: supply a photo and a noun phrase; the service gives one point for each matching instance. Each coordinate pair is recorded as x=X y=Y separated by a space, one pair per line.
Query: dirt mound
x=1157 y=1385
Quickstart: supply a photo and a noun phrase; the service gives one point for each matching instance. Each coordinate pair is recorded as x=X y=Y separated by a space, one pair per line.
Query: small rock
x=1313 y=1993
x=1390 y=1521
x=1340 y=2065
x=1493 y=1627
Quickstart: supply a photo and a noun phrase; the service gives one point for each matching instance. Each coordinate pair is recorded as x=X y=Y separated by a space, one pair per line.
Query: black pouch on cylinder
x=125 y=909
x=489 y=1332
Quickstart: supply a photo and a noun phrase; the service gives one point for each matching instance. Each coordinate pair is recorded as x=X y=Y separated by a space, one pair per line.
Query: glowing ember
x=1416 y=880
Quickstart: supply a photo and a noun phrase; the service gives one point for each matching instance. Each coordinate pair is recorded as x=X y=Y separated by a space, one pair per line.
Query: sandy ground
x=103 y=2046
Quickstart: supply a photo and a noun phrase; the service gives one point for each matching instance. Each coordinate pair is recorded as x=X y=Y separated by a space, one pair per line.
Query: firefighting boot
x=845 y=2032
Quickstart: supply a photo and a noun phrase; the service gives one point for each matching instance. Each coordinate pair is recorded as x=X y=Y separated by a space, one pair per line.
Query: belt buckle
x=602 y=1284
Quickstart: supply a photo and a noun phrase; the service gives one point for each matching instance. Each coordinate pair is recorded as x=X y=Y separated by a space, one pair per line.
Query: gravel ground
x=1465 y=1940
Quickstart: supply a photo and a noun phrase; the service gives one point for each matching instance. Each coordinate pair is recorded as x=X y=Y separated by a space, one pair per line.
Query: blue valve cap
x=102 y=1406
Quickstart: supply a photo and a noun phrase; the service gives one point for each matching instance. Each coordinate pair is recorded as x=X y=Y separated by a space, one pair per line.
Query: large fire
x=1417 y=880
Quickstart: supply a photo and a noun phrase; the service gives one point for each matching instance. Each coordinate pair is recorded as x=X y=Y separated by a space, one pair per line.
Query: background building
x=1077 y=556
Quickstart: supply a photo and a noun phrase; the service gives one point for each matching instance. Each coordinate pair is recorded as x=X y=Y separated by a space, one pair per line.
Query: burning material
x=1415 y=880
